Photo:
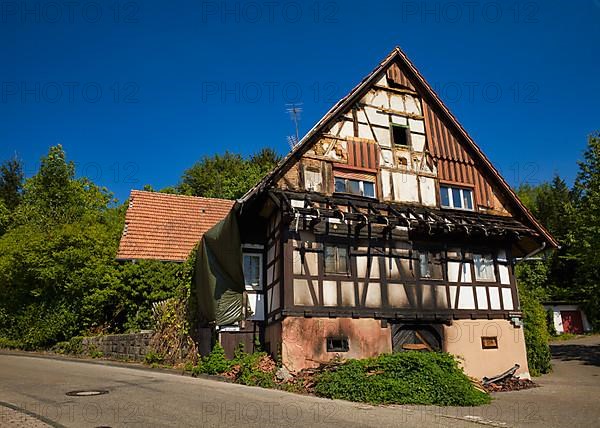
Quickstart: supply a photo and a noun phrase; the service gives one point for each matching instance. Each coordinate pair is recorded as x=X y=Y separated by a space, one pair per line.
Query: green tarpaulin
x=218 y=276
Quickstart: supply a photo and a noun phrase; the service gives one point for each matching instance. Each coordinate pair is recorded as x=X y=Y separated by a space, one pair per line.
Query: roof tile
x=167 y=227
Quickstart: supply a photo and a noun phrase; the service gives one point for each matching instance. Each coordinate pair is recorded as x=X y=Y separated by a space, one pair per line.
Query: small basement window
x=337 y=344
x=456 y=197
x=400 y=135
x=336 y=259
x=489 y=342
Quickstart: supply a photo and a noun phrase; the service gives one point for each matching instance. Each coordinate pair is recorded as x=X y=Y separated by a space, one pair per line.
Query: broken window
x=336 y=259
x=400 y=135
x=355 y=187
x=484 y=267
x=252 y=270
x=430 y=265
x=456 y=197
x=337 y=344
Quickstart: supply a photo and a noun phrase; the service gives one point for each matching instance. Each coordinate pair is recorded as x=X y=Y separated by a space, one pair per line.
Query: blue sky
x=137 y=91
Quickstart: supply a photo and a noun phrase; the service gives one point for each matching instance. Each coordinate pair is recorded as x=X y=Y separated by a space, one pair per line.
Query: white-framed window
x=456 y=197
x=355 y=187
x=253 y=271
x=484 y=267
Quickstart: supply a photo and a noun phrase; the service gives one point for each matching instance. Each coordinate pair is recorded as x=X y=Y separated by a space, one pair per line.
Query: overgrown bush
x=536 y=333
x=401 y=378
x=74 y=346
x=256 y=369
x=153 y=358
x=9 y=343
x=216 y=362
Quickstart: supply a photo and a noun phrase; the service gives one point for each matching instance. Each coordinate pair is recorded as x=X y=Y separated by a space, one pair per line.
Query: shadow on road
x=587 y=354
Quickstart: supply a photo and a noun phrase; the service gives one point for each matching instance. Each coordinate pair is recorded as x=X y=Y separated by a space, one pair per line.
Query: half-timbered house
x=386 y=228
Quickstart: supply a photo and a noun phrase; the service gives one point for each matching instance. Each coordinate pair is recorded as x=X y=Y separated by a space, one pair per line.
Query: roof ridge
x=176 y=195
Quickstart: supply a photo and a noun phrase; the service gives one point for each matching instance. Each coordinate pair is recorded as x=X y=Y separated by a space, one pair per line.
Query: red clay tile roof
x=167 y=227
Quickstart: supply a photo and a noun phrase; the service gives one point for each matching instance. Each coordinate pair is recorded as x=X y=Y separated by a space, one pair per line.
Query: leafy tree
x=584 y=237
x=54 y=196
x=227 y=176
x=4 y=217
x=11 y=182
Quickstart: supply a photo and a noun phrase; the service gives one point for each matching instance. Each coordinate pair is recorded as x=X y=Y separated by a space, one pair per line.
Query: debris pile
x=506 y=381
x=512 y=383
x=305 y=379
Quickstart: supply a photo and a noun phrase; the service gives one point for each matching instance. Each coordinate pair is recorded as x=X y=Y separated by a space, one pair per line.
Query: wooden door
x=572 y=322
x=409 y=337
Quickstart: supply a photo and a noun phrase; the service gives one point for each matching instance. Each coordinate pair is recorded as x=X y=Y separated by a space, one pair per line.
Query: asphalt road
x=147 y=398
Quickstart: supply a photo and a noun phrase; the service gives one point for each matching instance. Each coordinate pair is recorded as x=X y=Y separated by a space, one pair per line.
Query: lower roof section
x=167 y=227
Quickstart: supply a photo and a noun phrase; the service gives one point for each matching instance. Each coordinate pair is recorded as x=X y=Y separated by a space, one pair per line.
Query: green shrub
x=6 y=343
x=197 y=369
x=401 y=378
x=252 y=369
x=94 y=352
x=550 y=322
x=74 y=346
x=536 y=333
x=216 y=362
x=153 y=358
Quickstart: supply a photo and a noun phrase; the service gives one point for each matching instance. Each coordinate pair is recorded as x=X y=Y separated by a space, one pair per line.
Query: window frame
x=344 y=342
x=482 y=257
x=489 y=342
x=428 y=258
x=361 y=187
x=259 y=286
x=337 y=270
x=462 y=190
x=406 y=128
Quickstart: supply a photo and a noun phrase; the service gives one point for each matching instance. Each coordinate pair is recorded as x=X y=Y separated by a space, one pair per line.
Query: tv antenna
x=294 y=110
x=291 y=140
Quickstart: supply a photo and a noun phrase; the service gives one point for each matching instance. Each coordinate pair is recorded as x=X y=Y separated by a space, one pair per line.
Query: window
x=456 y=197
x=484 y=267
x=400 y=135
x=489 y=342
x=253 y=270
x=430 y=266
x=336 y=259
x=313 y=179
x=337 y=344
x=355 y=187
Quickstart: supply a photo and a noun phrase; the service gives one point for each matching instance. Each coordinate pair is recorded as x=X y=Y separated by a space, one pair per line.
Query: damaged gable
x=392 y=139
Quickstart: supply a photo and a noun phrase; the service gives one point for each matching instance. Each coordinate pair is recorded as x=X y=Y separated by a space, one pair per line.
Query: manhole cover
x=86 y=393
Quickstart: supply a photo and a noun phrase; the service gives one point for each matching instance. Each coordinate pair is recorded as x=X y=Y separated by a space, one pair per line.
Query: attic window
x=337 y=344
x=400 y=135
x=456 y=197
x=355 y=187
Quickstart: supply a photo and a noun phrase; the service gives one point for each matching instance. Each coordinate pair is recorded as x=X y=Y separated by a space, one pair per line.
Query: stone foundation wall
x=132 y=346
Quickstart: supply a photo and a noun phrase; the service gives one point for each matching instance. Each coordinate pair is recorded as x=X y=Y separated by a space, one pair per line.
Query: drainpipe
x=531 y=254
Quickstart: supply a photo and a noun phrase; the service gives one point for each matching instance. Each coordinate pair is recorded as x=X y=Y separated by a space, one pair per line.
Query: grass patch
x=567 y=336
x=403 y=378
